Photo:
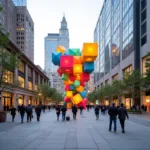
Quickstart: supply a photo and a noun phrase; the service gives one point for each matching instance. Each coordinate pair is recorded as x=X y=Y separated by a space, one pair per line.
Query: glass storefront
x=148 y=102
x=7 y=99
x=20 y=99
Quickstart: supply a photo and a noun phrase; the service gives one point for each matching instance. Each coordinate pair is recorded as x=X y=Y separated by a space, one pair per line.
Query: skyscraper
x=20 y=2
x=51 y=42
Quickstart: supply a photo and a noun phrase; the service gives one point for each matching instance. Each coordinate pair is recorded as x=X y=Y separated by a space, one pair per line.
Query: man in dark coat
x=22 y=112
x=97 y=112
x=13 y=113
x=63 y=109
x=122 y=114
x=29 y=113
x=38 y=112
x=74 y=111
x=113 y=112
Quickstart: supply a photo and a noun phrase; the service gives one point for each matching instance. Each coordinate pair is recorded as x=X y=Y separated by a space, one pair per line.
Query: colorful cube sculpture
x=74 y=52
x=66 y=63
x=67 y=99
x=65 y=76
x=88 y=67
x=79 y=88
x=77 y=69
x=76 y=83
x=69 y=94
x=59 y=71
x=77 y=59
x=56 y=58
x=89 y=52
x=72 y=77
x=72 y=87
x=85 y=77
x=83 y=94
x=61 y=49
x=76 y=99
x=67 y=87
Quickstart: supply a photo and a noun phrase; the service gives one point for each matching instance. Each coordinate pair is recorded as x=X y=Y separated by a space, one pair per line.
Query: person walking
x=81 y=110
x=22 y=112
x=122 y=114
x=58 y=112
x=74 y=111
x=13 y=113
x=29 y=113
x=113 y=112
x=38 y=110
x=63 y=109
x=97 y=112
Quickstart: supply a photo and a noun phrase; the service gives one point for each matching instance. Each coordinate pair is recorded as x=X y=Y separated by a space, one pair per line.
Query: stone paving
x=85 y=133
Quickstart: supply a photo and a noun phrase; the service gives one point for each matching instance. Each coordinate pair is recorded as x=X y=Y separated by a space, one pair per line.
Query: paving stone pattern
x=85 y=133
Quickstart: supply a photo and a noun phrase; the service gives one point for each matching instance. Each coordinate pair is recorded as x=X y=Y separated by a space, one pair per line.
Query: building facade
x=17 y=21
x=122 y=34
x=29 y=77
x=51 y=42
x=20 y=2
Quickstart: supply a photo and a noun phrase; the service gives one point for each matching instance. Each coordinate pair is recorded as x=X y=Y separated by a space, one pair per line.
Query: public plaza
x=84 y=133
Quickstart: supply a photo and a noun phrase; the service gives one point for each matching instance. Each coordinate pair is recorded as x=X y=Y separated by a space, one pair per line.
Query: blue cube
x=72 y=87
x=88 y=67
x=83 y=94
x=56 y=58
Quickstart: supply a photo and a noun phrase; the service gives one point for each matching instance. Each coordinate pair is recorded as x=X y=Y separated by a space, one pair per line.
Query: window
x=127 y=70
x=21 y=81
x=143 y=28
x=8 y=76
x=115 y=77
x=29 y=72
x=36 y=87
x=21 y=66
x=143 y=15
x=30 y=85
x=143 y=66
x=143 y=4
x=143 y=40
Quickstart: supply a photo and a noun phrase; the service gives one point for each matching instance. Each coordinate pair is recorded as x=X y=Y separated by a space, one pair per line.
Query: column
x=26 y=76
x=26 y=100
x=15 y=99
x=38 y=79
x=33 y=80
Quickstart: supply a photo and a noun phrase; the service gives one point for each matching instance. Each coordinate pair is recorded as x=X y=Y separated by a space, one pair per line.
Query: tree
x=57 y=97
x=8 y=62
x=100 y=94
x=93 y=96
x=132 y=82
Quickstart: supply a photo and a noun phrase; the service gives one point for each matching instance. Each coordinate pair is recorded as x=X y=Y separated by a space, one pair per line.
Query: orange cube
x=77 y=59
x=61 y=49
x=77 y=69
x=80 y=88
x=89 y=52
x=67 y=82
x=76 y=99
x=78 y=77
x=69 y=94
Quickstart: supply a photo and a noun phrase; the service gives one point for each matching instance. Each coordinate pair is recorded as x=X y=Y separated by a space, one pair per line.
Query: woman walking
x=57 y=112
x=38 y=110
x=13 y=113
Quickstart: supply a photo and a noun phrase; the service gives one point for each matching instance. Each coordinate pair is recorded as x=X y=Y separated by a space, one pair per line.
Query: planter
x=3 y=115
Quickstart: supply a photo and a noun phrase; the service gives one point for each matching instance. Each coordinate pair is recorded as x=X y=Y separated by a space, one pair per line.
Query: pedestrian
x=122 y=114
x=38 y=112
x=7 y=107
x=97 y=112
x=43 y=107
x=57 y=111
x=29 y=113
x=81 y=110
x=13 y=113
x=74 y=111
x=63 y=109
x=113 y=112
x=88 y=107
x=49 y=107
x=22 y=112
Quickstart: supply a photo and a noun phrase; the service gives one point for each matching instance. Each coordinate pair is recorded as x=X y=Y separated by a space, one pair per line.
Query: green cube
x=76 y=83
x=64 y=76
x=75 y=52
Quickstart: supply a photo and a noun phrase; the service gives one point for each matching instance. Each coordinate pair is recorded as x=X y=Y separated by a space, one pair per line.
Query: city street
x=84 y=133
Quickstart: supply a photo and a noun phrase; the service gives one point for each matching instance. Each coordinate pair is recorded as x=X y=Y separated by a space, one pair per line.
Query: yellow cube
x=76 y=99
x=61 y=49
x=80 y=88
x=77 y=69
x=89 y=52
x=69 y=94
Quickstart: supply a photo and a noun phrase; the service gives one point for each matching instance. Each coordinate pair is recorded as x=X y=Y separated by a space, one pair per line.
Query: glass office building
x=20 y=2
x=121 y=32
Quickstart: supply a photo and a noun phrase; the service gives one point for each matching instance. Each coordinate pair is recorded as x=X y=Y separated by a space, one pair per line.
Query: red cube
x=59 y=71
x=85 y=77
x=66 y=64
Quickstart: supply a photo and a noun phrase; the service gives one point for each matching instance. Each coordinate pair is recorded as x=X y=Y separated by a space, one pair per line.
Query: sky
x=81 y=16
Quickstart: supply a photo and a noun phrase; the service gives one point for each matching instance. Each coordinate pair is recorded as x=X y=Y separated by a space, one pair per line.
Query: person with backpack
x=13 y=113
x=97 y=112
x=29 y=113
x=63 y=109
x=122 y=114
x=22 y=112
x=58 y=112
x=113 y=112
x=38 y=110
x=74 y=111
